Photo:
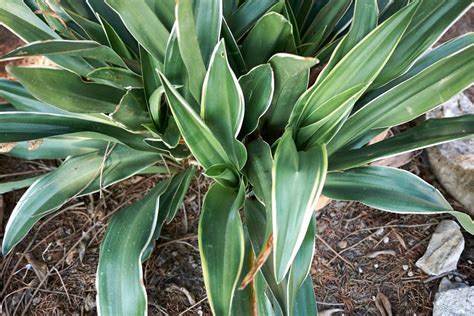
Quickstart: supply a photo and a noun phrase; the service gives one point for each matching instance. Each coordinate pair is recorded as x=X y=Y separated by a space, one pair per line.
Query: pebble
x=342 y=244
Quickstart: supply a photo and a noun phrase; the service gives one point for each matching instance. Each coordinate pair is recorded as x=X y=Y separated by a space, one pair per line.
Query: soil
x=360 y=252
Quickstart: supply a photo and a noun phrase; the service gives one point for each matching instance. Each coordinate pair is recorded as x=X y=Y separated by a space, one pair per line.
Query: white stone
x=444 y=249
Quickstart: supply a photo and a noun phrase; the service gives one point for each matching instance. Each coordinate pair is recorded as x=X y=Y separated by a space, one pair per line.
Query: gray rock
x=453 y=162
x=446 y=285
x=444 y=249
x=453 y=299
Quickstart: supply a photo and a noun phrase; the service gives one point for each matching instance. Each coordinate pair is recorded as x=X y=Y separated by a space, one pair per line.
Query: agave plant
x=138 y=84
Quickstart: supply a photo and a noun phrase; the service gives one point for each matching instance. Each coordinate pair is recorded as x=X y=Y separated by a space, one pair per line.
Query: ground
x=360 y=252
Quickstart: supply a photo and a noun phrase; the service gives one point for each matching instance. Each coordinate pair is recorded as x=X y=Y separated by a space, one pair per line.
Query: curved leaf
x=116 y=77
x=200 y=139
x=259 y=170
x=411 y=98
x=291 y=80
x=23 y=22
x=270 y=35
x=18 y=18
x=59 y=147
x=87 y=49
x=22 y=100
x=363 y=22
x=142 y=22
x=87 y=174
x=392 y=190
x=353 y=70
x=247 y=14
x=233 y=50
x=74 y=95
x=257 y=87
x=172 y=198
x=189 y=45
x=9 y=186
x=222 y=105
x=431 y=20
x=105 y=13
x=120 y=287
x=429 y=133
x=22 y=126
x=221 y=244
x=287 y=293
x=132 y=111
x=323 y=25
x=298 y=178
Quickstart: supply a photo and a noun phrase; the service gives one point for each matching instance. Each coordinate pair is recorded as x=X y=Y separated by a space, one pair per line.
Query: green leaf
x=230 y=6
x=173 y=191
x=352 y=71
x=298 y=178
x=9 y=186
x=242 y=302
x=323 y=25
x=17 y=17
x=431 y=20
x=247 y=14
x=88 y=173
x=301 y=267
x=66 y=90
x=411 y=98
x=162 y=122
x=286 y=293
x=323 y=130
x=222 y=106
x=429 y=59
x=59 y=147
x=429 y=133
x=224 y=174
x=22 y=100
x=257 y=87
x=132 y=111
x=270 y=35
x=120 y=285
x=189 y=46
x=86 y=49
x=116 y=77
x=114 y=40
x=392 y=190
x=305 y=303
x=221 y=244
x=90 y=28
x=141 y=20
x=200 y=139
x=22 y=126
x=364 y=21
x=208 y=18
x=176 y=72
x=291 y=80
x=259 y=170
x=106 y=14
x=150 y=78
x=233 y=50
x=172 y=198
